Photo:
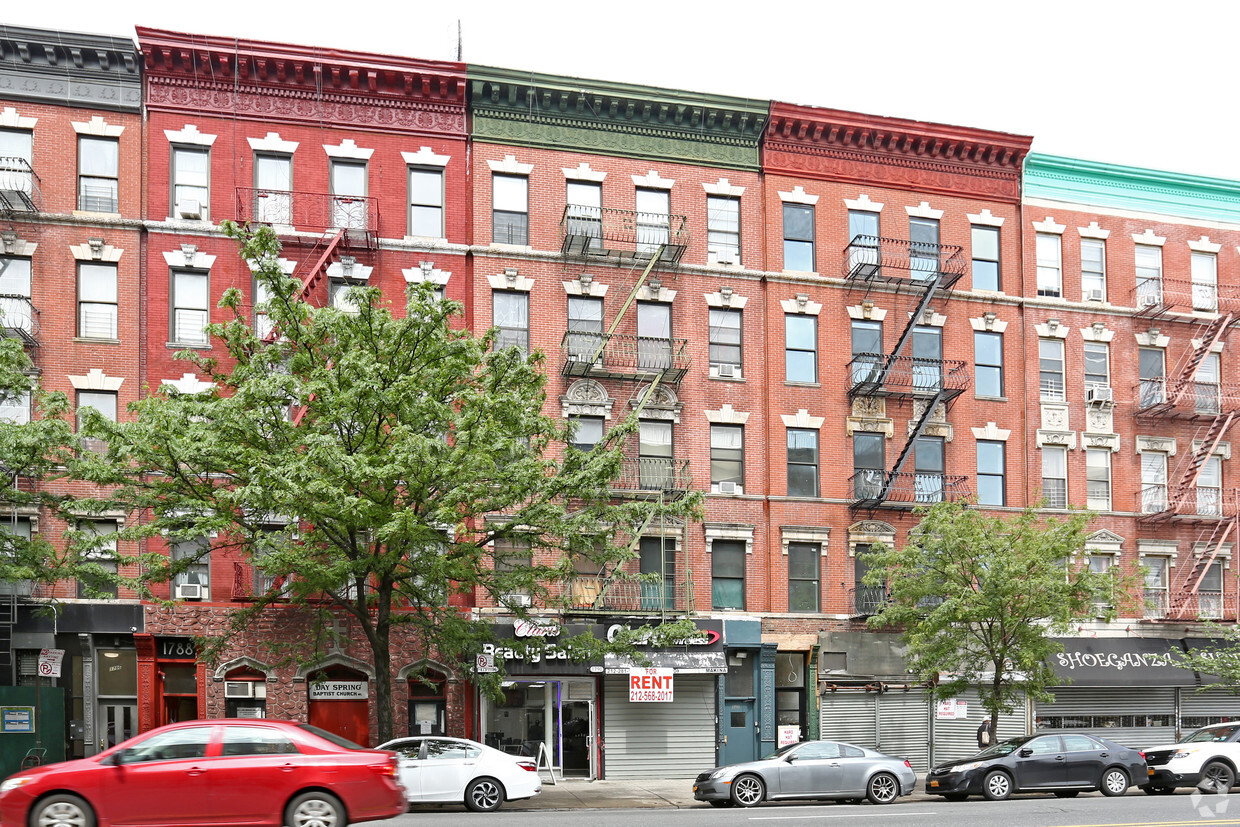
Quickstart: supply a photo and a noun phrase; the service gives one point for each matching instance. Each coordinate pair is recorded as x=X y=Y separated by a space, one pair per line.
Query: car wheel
x=956 y=796
x=1216 y=777
x=997 y=785
x=748 y=791
x=1069 y=793
x=62 y=811
x=314 y=809
x=883 y=788
x=484 y=795
x=721 y=802
x=1114 y=782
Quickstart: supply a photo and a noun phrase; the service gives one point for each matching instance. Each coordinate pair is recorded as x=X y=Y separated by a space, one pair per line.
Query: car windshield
x=1213 y=733
x=330 y=736
x=782 y=751
x=1002 y=748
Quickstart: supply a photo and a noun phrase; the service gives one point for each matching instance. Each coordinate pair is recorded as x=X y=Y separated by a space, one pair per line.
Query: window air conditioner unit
x=190 y=591
x=1148 y=300
x=728 y=487
x=189 y=208
x=724 y=256
x=1099 y=396
x=245 y=689
x=727 y=371
x=1093 y=294
x=516 y=599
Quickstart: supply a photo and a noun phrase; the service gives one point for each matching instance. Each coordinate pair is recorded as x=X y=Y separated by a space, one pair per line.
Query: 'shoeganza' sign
x=649 y=683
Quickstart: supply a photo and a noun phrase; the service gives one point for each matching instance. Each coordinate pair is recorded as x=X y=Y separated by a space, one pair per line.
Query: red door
x=348 y=719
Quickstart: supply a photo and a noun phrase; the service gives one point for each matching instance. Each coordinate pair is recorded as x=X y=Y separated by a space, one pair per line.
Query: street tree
x=1215 y=658
x=979 y=599
x=409 y=461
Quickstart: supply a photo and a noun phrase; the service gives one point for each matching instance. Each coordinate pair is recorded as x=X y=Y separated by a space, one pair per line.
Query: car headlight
x=13 y=783
x=719 y=773
x=1183 y=753
x=966 y=767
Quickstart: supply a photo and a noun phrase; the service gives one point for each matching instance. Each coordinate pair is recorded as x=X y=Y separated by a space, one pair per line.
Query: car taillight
x=907 y=764
x=528 y=766
x=1142 y=754
x=385 y=769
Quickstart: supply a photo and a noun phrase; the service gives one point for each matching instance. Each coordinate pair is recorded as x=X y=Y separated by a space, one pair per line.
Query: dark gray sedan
x=808 y=770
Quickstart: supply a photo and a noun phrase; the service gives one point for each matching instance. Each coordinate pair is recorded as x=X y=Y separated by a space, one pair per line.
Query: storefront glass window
x=118 y=672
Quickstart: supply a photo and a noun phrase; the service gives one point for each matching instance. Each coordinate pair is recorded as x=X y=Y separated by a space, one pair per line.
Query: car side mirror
x=791 y=758
x=1025 y=753
x=116 y=758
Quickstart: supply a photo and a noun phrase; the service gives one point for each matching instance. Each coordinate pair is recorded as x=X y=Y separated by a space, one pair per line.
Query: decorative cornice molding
x=69 y=69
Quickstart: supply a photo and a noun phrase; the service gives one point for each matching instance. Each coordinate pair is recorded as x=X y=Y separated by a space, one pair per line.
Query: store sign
x=339 y=691
x=649 y=683
x=951 y=709
x=49 y=662
x=788 y=735
x=703 y=637
x=531 y=628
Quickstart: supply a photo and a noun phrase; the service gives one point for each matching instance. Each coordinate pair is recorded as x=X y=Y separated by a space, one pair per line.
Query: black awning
x=1112 y=661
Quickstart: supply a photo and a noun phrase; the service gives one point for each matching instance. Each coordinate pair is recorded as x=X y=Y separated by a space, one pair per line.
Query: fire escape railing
x=20 y=187
x=313 y=212
x=622 y=235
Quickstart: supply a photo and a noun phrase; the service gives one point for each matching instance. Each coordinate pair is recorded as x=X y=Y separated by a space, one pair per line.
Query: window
x=585 y=328
x=654 y=455
x=1156 y=603
x=1097 y=365
x=1098 y=479
x=867 y=351
x=928 y=468
x=97 y=311
x=584 y=216
x=800 y=347
x=1210 y=592
x=339 y=292
x=587 y=432
x=725 y=342
x=1207 y=385
x=802 y=462
x=105 y=403
x=723 y=229
x=191 y=182
x=867 y=600
x=869 y=465
x=1149 y=275
x=1055 y=476
x=803 y=567
x=654 y=336
x=1050 y=270
x=658 y=557
x=1051 y=369
x=15 y=292
x=15 y=407
x=923 y=236
x=1205 y=281
x=16 y=145
x=252 y=740
x=350 y=208
x=510 y=220
x=727 y=459
x=98 y=174
x=196 y=573
x=1153 y=482
x=273 y=181
x=653 y=207
x=426 y=202
x=727 y=574
x=1093 y=269
x=1101 y=564
x=270 y=538
x=863 y=243
x=512 y=320
x=178 y=745
x=927 y=359
x=991 y=473
x=263 y=325
x=988 y=363
x=1151 y=369
x=98 y=578
x=986 y=258
x=190 y=313
x=799 y=237
x=1210 y=488
x=513 y=555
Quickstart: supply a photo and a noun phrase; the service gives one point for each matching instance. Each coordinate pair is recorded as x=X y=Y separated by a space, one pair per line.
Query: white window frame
x=1055 y=455
x=1049 y=248
x=1094 y=279
x=1098 y=475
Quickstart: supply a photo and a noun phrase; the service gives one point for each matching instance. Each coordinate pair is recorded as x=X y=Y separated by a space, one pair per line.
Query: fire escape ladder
x=1187 y=587
x=932 y=286
x=1207 y=444
x=8 y=618
x=894 y=474
x=1186 y=371
x=319 y=270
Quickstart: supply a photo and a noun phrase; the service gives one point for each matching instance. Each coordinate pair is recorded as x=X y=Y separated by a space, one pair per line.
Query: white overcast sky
x=1139 y=82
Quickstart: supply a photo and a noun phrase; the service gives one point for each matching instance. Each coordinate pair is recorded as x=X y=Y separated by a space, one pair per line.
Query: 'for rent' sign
x=649 y=683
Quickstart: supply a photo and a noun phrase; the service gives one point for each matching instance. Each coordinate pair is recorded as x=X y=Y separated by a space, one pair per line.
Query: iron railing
x=1185 y=295
x=599 y=232
x=624 y=356
x=873 y=258
x=906 y=375
x=20 y=188
x=654 y=474
x=19 y=317
x=906 y=489
x=624 y=594
x=308 y=211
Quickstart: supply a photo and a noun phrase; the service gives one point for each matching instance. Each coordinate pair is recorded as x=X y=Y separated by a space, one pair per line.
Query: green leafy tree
x=980 y=598
x=411 y=461
x=1217 y=659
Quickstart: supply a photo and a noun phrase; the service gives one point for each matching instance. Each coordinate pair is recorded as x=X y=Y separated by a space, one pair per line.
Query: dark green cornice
x=555 y=112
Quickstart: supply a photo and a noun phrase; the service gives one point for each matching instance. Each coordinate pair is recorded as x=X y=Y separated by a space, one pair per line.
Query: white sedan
x=441 y=769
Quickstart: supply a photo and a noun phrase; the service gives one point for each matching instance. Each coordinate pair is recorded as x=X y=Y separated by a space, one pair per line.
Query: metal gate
x=896 y=723
x=1136 y=717
x=1213 y=706
x=958 y=738
x=659 y=740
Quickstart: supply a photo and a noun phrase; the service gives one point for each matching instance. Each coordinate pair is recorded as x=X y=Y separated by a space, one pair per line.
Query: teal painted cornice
x=554 y=112
x=1131 y=188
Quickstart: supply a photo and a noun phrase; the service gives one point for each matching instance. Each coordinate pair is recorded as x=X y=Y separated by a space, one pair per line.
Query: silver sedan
x=808 y=770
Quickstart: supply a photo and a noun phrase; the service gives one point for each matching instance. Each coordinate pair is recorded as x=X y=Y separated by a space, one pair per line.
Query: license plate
x=934 y=783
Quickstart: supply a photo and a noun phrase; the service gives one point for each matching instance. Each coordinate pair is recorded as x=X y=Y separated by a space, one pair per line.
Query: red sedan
x=203 y=773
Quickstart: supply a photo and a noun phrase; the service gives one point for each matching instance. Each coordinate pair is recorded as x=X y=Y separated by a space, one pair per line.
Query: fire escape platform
x=899 y=263
x=622 y=237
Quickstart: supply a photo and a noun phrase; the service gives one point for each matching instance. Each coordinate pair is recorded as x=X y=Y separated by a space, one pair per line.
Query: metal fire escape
x=649 y=246
x=1188 y=397
x=917 y=271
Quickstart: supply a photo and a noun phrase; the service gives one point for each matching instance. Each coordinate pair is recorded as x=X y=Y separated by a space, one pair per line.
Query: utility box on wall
x=46 y=729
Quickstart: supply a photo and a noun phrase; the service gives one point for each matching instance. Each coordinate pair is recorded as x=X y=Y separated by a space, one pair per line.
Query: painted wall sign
x=339 y=690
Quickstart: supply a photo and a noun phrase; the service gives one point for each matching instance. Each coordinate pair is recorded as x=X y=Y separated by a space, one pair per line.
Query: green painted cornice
x=1131 y=188
x=555 y=112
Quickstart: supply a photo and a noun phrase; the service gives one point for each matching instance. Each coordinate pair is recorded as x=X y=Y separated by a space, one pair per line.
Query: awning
x=1112 y=661
x=683 y=663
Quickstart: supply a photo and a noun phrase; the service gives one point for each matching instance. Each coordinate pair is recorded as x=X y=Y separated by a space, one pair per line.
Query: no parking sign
x=49 y=662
